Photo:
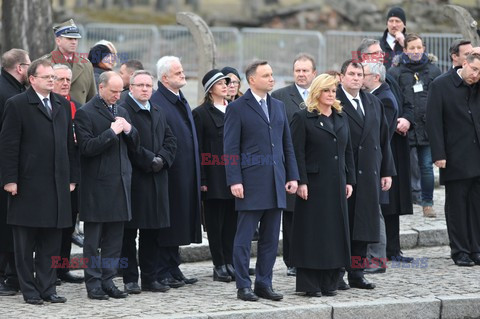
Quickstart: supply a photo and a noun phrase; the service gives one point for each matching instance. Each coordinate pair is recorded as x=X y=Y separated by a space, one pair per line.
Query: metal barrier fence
x=236 y=48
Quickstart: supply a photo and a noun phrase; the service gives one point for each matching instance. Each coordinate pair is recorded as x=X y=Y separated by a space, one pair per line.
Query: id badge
x=418 y=87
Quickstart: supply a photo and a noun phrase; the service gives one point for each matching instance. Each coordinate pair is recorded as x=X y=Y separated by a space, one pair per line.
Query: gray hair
x=105 y=77
x=365 y=44
x=164 y=65
x=139 y=72
x=377 y=68
x=59 y=66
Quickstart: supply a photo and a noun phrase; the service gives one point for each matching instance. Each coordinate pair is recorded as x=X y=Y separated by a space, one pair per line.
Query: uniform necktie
x=263 y=104
x=359 y=109
x=47 y=106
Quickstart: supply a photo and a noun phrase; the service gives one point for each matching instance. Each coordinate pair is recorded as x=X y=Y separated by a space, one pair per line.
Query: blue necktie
x=47 y=106
x=305 y=95
x=263 y=104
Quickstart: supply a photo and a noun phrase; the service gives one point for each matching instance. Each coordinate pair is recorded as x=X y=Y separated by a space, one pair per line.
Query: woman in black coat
x=218 y=203
x=414 y=71
x=320 y=236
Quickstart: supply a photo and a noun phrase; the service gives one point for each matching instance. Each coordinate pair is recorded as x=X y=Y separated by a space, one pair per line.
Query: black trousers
x=392 y=229
x=147 y=255
x=314 y=280
x=462 y=214
x=107 y=237
x=287 y=221
x=221 y=224
x=45 y=242
x=358 y=248
x=168 y=262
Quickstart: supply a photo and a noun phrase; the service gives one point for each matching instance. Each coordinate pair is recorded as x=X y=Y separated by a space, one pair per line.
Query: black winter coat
x=406 y=75
x=38 y=154
x=183 y=174
x=209 y=123
x=389 y=53
x=106 y=169
x=150 y=207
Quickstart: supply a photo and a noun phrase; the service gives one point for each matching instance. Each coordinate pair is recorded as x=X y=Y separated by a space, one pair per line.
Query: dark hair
x=252 y=68
x=305 y=56
x=97 y=53
x=455 y=46
x=133 y=65
x=13 y=57
x=412 y=37
x=351 y=62
x=32 y=69
x=472 y=56
x=332 y=73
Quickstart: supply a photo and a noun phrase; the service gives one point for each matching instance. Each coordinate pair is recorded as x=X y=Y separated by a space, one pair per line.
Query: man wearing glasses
x=39 y=170
x=15 y=63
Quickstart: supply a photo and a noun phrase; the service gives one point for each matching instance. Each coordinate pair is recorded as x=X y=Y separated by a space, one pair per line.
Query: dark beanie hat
x=398 y=13
x=227 y=70
x=97 y=53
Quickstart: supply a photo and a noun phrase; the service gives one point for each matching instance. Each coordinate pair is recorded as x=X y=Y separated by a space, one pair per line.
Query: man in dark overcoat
x=13 y=78
x=39 y=170
x=262 y=167
x=104 y=136
x=453 y=126
x=183 y=174
x=150 y=163
x=373 y=162
x=304 y=71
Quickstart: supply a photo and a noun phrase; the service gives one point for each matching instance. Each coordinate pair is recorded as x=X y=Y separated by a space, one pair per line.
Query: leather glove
x=157 y=164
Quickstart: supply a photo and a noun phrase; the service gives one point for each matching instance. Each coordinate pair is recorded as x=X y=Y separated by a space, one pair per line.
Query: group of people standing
x=332 y=151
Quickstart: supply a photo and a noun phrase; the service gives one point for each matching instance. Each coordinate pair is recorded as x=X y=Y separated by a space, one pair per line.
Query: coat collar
x=55 y=102
x=102 y=108
x=294 y=94
x=154 y=109
x=218 y=117
x=13 y=81
x=319 y=123
x=253 y=103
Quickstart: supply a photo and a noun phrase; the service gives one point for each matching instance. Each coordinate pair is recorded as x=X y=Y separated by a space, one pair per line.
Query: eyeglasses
x=63 y=80
x=234 y=83
x=45 y=77
x=148 y=86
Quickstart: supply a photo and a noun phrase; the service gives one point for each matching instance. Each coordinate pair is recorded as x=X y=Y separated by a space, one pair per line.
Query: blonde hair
x=320 y=83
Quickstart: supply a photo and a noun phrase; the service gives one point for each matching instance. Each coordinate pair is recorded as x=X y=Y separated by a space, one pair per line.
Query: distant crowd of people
x=332 y=157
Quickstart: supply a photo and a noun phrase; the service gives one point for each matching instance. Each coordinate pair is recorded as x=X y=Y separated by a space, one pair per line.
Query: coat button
x=336 y=157
x=273 y=145
x=334 y=139
x=270 y=127
x=360 y=172
x=469 y=112
x=375 y=173
x=360 y=147
x=376 y=147
x=274 y=163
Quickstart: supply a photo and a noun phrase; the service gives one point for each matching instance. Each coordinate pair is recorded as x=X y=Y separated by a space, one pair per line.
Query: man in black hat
x=66 y=38
x=393 y=37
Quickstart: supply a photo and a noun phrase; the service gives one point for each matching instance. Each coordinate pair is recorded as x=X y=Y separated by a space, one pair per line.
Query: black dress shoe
x=77 y=239
x=267 y=293
x=475 y=257
x=116 y=293
x=98 y=294
x=361 y=283
x=246 y=294
x=58 y=282
x=400 y=258
x=54 y=298
x=220 y=273
x=132 y=288
x=173 y=283
x=6 y=290
x=329 y=293
x=378 y=270
x=188 y=281
x=34 y=301
x=231 y=271
x=251 y=271
x=463 y=260
x=313 y=294
x=70 y=277
x=154 y=286
x=342 y=285
x=291 y=271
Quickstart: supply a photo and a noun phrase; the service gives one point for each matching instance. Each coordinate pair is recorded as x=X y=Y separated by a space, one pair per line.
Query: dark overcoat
x=150 y=207
x=290 y=96
x=209 y=123
x=320 y=231
x=9 y=86
x=106 y=170
x=183 y=174
x=373 y=160
x=261 y=152
x=38 y=154
x=453 y=124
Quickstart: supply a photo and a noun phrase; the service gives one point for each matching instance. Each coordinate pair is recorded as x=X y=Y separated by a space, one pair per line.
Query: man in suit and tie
x=374 y=167
x=258 y=142
x=304 y=71
x=39 y=170
x=104 y=135
x=83 y=86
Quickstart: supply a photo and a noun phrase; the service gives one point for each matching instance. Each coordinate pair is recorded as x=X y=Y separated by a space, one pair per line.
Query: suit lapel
x=35 y=100
x=252 y=102
x=216 y=115
x=56 y=105
x=319 y=123
x=369 y=117
x=348 y=107
x=102 y=109
x=295 y=95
